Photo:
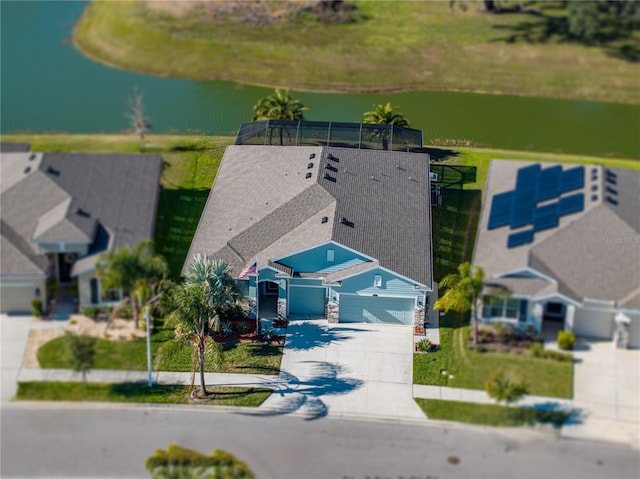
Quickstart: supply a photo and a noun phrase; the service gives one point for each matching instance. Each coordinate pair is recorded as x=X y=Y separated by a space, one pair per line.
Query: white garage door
x=16 y=298
x=593 y=323
x=376 y=309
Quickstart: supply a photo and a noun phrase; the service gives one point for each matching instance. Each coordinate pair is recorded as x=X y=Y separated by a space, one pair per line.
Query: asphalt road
x=97 y=441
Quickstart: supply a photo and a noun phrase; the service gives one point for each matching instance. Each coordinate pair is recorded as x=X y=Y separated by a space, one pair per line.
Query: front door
x=65 y=264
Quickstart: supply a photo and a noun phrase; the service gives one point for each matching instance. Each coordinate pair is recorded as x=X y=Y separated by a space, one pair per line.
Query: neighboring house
x=335 y=232
x=560 y=246
x=61 y=210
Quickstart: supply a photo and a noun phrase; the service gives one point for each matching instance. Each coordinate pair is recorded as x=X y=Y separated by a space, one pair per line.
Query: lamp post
x=147 y=319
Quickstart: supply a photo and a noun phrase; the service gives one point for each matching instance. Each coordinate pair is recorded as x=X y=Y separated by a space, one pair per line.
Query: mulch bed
x=512 y=343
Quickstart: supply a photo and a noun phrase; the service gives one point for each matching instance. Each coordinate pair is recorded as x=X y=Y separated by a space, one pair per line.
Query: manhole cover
x=453 y=460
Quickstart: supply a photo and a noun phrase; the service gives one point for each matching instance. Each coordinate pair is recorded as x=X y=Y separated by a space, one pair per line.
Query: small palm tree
x=207 y=288
x=135 y=270
x=384 y=115
x=280 y=105
x=462 y=293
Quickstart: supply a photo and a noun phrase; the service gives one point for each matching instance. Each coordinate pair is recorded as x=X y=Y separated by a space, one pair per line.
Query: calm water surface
x=46 y=85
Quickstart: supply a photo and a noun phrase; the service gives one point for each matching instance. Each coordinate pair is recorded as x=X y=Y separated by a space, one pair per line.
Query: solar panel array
x=534 y=185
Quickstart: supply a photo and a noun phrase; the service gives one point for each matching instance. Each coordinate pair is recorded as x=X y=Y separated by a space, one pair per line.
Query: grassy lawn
x=470 y=369
x=489 y=414
x=136 y=393
x=191 y=164
x=395 y=46
x=245 y=358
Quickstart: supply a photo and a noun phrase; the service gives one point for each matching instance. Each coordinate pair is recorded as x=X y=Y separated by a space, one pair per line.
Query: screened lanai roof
x=328 y=133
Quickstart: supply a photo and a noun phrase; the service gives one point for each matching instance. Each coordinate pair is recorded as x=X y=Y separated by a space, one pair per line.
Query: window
x=331 y=255
x=271 y=288
x=377 y=280
x=501 y=307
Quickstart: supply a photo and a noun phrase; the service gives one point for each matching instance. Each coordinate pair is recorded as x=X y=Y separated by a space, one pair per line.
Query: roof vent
x=346 y=222
x=324 y=220
x=26 y=170
x=397 y=166
x=52 y=171
x=312 y=156
x=83 y=213
x=32 y=156
x=594 y=187
x=333 y=158
x=331 y=168
x=611 y=200
x=594 y=197
x=329 y=177
x=309 y=166
x=308 y=175
x=613 y=191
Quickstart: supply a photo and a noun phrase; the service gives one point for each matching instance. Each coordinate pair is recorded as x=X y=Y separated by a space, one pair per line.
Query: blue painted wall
x=315 y=260
x=392 y=285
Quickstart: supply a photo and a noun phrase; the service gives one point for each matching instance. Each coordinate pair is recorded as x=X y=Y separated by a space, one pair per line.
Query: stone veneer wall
x=282 y=308
x=418 y=317
x=252 y=308
x=333 y=312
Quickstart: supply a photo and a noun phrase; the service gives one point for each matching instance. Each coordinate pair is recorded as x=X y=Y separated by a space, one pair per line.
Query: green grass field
x=169 y=354
x=470 y=369
x=396 y=46
x=489 y=414
x=136 y=393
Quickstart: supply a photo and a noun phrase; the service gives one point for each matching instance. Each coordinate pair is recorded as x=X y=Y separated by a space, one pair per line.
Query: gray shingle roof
x=591 y=254
x=14 y=147
x=262 y=205
x=69 y=196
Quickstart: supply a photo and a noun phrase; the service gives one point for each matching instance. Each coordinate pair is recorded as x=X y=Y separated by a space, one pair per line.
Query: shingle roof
x=71 y=197
x=591 y=254
x=264 y=205
x=14 y=147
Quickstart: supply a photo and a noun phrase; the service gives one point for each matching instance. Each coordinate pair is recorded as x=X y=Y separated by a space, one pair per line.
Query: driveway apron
x=606 y=385
x=355 y=369
x=14 y=334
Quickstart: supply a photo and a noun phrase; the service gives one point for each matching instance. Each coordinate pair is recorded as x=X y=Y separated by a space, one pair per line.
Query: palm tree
x=384 y=115
x=136 y=270
x=207 y=288
x=280 y=105
x=462 y=293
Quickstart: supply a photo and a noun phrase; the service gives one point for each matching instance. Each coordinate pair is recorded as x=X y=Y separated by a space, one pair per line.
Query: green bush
x=52 y=288
x=537 y=351
x=566 y=340
x=36 y=308
x=243 y=327
x=126 y=312
x=91 y=311
x=424 y=345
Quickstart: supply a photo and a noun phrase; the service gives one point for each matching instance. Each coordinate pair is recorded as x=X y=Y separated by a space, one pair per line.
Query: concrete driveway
x=606 y=393
x=14 y=334
x=355 y=369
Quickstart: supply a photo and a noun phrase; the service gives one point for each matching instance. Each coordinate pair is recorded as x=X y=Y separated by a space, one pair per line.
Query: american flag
x=249 y=270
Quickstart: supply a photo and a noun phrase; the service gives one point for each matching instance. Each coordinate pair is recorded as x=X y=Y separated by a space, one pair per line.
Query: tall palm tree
x=384 y=115
x=462 y=293
x=207 y=288
x=136 y=270
x=280 y=105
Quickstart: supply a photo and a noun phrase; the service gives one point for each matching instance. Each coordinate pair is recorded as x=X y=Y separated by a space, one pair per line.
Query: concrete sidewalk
x=159 y=377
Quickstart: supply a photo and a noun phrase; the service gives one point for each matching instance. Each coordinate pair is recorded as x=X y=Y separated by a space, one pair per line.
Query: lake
x=47 y=85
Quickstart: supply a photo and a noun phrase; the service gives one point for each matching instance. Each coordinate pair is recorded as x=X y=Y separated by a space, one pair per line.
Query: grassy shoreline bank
x=413 y=46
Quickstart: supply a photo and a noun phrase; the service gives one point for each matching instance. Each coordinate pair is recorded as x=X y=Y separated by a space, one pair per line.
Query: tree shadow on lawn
x=439 y=154
x=179 y=212
x=303 y=336
x=556 y=414
x=298 y=395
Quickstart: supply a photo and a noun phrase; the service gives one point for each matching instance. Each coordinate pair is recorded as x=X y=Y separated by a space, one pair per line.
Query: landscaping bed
x=136 y=393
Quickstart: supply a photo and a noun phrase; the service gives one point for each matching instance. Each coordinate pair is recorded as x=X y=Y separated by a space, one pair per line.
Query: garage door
x=306 y=300
x=376 y=309
x=593 y=323
x=16 y=298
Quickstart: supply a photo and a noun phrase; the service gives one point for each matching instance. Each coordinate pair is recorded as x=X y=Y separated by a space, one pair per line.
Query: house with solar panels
x=324 y=221
x=560 y=247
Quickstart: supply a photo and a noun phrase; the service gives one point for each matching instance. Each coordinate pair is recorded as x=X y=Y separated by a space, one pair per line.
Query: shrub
x=225 y=328
x=424 y=345
x=537 y=350
x=566 y=340
x=243 y=327
x=505 y=387
x=52 y=288
x=91 y=311
x=36 y=307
